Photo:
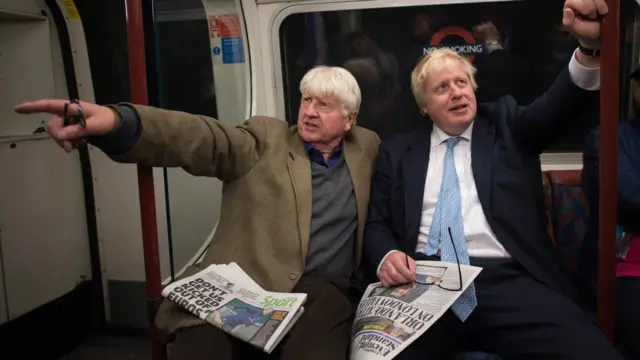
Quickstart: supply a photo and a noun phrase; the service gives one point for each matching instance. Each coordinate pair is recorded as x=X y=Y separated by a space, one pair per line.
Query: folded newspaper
x=226 y=297
x=389 y=319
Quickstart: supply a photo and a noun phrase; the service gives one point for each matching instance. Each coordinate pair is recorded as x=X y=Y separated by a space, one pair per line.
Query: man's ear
x=351 y=121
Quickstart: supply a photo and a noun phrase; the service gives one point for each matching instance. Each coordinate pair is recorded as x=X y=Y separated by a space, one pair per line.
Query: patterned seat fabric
x=569 y=213
x=546 y=187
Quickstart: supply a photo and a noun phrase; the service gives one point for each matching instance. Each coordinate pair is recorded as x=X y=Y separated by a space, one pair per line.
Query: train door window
x=518 y=47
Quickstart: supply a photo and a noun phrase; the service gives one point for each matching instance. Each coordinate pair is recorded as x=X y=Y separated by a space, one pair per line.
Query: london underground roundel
x=457 y=39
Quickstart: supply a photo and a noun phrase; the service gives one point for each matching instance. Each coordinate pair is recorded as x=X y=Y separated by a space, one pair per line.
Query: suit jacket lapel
x=300 y=174
x=482 y=142
x=353 y=158
x=415 y=163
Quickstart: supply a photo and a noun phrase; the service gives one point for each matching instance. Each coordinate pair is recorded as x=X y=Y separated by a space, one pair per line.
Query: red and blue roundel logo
x=457 y=39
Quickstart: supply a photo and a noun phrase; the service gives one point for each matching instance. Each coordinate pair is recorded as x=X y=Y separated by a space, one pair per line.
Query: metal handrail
x=608 y=171
x=139 y=95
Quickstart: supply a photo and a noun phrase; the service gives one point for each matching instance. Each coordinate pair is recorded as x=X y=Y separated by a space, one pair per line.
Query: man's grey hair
x=326 y=81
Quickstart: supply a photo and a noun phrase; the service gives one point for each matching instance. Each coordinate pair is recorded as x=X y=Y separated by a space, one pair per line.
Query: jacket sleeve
x=202 y=146
x=571 y=100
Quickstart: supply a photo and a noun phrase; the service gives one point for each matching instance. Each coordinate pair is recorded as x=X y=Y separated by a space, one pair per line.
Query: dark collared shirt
x=316 y=156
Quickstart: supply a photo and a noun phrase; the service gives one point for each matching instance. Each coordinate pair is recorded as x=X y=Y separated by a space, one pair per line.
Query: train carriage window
x=518 y=47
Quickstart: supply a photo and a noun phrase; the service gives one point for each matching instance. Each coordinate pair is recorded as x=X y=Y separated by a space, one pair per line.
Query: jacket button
x=293 y=276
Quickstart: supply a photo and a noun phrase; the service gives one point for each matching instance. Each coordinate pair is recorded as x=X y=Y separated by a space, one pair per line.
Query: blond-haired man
x=294 y=202
x=467 y=188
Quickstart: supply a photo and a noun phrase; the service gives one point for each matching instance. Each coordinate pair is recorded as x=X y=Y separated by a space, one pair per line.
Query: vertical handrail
x=608 y=171
x=139 y=95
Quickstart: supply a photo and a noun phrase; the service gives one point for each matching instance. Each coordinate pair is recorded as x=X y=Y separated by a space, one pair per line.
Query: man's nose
x=455 y=92
x=310 y=111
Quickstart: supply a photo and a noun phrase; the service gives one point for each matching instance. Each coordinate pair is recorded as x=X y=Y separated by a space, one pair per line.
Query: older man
x=294 y=202
x=468 y=187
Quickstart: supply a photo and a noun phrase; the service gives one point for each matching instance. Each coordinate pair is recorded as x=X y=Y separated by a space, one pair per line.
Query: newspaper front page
x=226 y=297
x=389 y=319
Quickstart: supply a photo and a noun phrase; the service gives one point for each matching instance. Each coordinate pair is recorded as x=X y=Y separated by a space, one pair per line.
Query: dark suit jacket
x=628 y=195
x=505 y=145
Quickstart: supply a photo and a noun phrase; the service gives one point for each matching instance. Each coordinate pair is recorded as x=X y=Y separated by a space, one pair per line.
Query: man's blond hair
x=434 y=62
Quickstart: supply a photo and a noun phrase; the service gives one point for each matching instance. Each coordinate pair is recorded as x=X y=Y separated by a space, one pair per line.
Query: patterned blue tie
x=448 y=214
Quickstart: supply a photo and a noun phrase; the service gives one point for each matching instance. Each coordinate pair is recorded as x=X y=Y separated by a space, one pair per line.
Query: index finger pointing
x=51 y=106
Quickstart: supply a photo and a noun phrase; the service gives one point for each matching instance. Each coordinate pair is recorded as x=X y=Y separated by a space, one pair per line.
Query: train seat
x=567 y=214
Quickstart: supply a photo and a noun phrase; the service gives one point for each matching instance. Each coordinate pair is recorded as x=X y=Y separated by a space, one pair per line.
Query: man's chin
x=463 y=122
x=308 y=137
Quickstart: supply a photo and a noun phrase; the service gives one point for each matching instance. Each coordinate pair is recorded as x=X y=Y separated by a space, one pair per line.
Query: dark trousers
x=628 y=316
x=322 y=332
x=517 y=317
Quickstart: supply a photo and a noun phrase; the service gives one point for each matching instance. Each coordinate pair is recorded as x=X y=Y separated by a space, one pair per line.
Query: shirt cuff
x=584 y=78
x=382 y=261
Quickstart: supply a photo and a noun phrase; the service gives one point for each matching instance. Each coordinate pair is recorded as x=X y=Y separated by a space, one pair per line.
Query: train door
x=197 y=60
x=47 y=237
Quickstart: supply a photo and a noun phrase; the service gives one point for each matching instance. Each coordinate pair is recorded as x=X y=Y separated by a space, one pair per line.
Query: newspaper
x=389 y=319
x=226 y=297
